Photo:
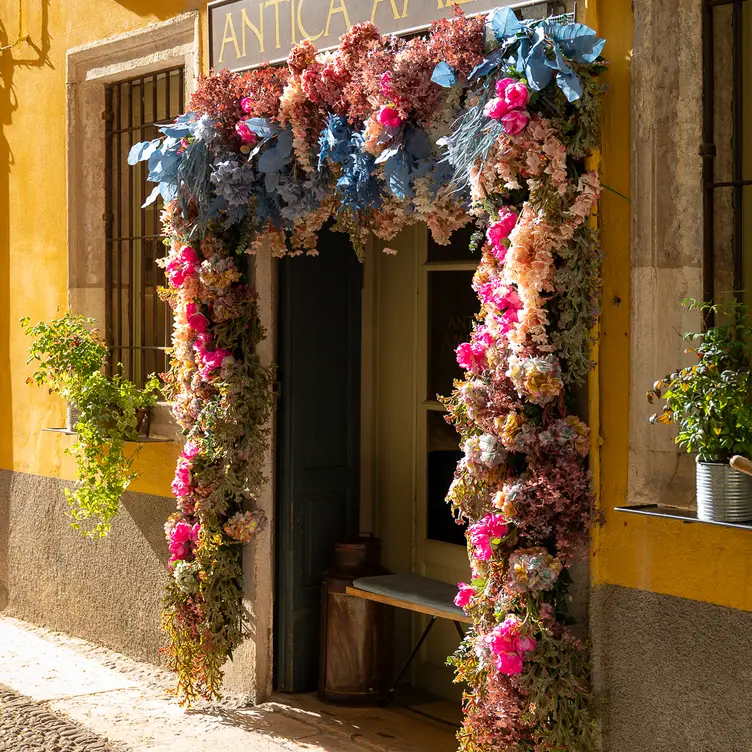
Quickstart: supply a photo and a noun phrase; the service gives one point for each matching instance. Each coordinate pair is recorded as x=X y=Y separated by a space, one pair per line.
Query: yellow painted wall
x=33 y=218
x=696 y=561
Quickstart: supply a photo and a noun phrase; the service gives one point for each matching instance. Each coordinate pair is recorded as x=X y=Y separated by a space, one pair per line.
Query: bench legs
x=412 y=655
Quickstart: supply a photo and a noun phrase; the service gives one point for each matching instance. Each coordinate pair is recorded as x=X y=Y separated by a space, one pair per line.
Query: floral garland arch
x=486 y=119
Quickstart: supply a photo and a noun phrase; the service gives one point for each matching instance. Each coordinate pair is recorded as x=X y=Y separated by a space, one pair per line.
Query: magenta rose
x=496 y=108
x=514 y=122
x=464 y=594
x=516 y=95
x=197 y=321
x=503 y=84
x=246 y=103
x=247 y=136
x=389 y=117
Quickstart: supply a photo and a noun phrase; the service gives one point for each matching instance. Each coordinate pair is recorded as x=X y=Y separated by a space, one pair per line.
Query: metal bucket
x=72 y=416
x=723 y=494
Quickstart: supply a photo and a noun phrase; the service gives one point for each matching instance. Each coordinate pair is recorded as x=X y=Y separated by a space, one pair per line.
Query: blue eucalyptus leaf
x=152 y=196
x=271 y=181
x=558 y=63
x=262 y=127
x=417 y=142
x=537 y=71
x=168 y=190
x=421 y=168
x=186 y=117
x=504 y=23
x=142 y=151
x=522 y=54
x=444 y=75
x=176 y=131
x=387 y=154
x=397 y=174
x=578 y=42
x=270 y=161
x=284 y=143
x=570 y=84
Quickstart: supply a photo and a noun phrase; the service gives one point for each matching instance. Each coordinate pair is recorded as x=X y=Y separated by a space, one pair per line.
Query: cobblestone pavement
x=27 y=726
x=63 y=694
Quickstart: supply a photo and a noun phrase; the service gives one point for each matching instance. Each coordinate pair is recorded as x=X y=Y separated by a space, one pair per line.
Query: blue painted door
x=318 y=451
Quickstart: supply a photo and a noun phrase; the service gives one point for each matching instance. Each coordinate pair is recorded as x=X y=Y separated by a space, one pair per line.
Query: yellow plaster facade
x=33 y=214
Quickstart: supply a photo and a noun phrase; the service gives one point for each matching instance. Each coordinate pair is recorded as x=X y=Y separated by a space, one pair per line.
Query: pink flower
x=246 y=103
x=203 y=340
x=247 y=136
x=496 y=108
x=516 y=95
x=509 y=646
x=524 y=644
x=197 y=321
x=509 y=663
x=389 y=117
x=471 y=356
x=465 y=593
x=482 y=533
x=514 y=122
x=190 y=450
x=181 y=484
x=183 y=266
x=385 y=85
x=503 y=84
x=188 y=255
x=212 y=360
x=182 y=540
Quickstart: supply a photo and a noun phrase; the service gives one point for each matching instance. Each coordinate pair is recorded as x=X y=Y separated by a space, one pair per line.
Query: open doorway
x=318 y=448
x=363 y=445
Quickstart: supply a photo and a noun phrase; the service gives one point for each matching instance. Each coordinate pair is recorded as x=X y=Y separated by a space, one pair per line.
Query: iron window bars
x=727 y=30
x=138 y=325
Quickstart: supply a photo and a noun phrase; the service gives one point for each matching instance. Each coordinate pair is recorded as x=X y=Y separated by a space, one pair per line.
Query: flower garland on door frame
x=488 y=119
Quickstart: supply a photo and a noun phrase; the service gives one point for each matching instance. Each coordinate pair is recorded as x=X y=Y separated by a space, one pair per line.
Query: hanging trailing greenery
x=69 y=356
x=485 y=119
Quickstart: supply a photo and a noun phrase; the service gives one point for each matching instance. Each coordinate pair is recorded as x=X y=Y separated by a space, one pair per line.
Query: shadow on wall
x=25 y=48
x=161 y=11
x=23 y=54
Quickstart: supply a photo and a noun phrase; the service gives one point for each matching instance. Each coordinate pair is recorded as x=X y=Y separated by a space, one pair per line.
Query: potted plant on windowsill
x=70 y=357
x=711 y=403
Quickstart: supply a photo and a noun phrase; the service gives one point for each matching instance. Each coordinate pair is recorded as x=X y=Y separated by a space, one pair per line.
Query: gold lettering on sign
x=375 y=5
x=257 y=30
x=306 y=35
x=292 y=22
x=276 y=3
x=404 y=9
x=332 y=10
x=232 y=38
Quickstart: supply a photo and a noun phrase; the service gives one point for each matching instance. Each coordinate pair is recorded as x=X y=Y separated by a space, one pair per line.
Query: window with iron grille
x=727 y=148
x=138 y=324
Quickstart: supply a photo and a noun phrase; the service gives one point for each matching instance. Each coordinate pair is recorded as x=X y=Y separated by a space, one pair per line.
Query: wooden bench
x=412 y=592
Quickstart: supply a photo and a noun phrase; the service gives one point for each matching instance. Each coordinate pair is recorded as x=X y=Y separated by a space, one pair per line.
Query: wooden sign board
x=246 y=33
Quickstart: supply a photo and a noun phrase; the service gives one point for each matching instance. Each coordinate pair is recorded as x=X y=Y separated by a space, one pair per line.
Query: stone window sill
x=162 y=427
x=681 y=515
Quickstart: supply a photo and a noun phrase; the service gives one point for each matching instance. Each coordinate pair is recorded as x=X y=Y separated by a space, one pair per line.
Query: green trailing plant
x=711 y=400
x=70 y=355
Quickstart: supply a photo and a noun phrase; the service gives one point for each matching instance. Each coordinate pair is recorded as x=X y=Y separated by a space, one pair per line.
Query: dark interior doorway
x=318 y=449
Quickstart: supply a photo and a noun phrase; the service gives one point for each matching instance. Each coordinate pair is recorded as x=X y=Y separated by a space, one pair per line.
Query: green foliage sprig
x=71 y=355
x=711 y=401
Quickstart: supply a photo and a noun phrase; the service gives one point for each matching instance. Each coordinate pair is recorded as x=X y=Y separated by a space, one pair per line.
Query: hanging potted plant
x=67 y=350
x=711 y=403
x=111 y=411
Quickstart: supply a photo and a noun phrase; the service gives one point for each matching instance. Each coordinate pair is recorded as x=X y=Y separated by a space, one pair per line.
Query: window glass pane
x=452 y=306
x=457 y=250
x=443 y=454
